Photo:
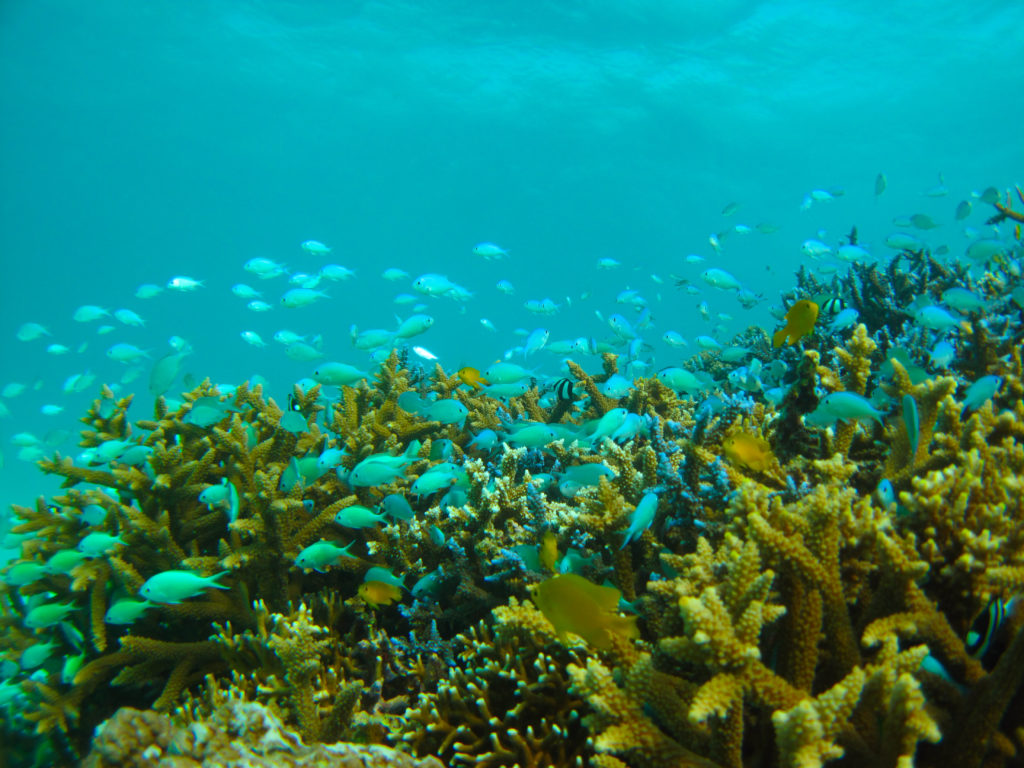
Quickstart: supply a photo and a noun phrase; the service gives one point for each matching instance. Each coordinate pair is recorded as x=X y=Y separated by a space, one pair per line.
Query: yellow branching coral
x=623 y=728
x=807 y=732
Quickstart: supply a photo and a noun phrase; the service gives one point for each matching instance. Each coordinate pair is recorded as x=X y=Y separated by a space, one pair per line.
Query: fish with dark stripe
x=564 y=391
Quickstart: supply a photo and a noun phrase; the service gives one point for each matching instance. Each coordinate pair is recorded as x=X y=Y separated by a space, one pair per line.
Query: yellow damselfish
x=800 y=321
x=548 y=550
x=573 y=604
x=472 y=377
x=379 y=593
x=749 y=451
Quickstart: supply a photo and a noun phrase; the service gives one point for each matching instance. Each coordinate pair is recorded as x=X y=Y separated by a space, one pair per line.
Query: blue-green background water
x=143 y=140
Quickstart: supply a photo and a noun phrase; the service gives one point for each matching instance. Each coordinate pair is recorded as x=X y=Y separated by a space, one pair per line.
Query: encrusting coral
x=765 y=588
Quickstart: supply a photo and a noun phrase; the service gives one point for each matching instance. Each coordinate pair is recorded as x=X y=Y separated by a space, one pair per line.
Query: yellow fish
x=471 y=377
x=548 y=550
x=800 y=321
x=379 y=593
x=573 y=604
x=748 y=451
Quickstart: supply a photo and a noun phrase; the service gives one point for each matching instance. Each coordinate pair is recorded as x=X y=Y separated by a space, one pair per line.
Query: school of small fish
x=652 y=333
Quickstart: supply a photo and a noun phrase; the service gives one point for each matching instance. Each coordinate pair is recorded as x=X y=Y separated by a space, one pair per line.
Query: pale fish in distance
x=184 y=284
x=89 y=312
x=31 y=331
x=333 y=272
x=315 y=248
x=338 y=374
x=935 y=318
x=814 y=249
x=264 y=268
x=148 y=291
x=414 y=326
x=303 y=352
x=243 y=291
x=489 y=250
x=719 y=278
x=541 y=306
x=432 y=284
x=126 y=353
x=301 y=297
x=253 y=338
x=127 y=317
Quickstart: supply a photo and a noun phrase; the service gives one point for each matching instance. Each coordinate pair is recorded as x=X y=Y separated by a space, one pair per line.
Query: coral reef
x=798 y=583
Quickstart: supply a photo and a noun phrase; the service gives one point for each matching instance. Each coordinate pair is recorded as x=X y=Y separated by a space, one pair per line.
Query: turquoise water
x=146 y=140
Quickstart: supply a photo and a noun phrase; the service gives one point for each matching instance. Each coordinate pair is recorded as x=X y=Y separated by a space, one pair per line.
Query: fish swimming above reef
x=573 y=604
x=315 y=248
x=800 y=320
x=490 y=250
x=472 y=378
x=719 y=278
x=301 y=297
x=172 y=587
x=338 y=374
x=378 y=593
x=321 y=555
x=748 y=451
x=846 y=406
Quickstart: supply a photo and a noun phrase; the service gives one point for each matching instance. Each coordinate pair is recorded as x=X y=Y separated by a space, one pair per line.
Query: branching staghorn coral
x=787 y=614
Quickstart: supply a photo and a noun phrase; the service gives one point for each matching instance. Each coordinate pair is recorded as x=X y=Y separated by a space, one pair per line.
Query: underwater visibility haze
x=613 y=384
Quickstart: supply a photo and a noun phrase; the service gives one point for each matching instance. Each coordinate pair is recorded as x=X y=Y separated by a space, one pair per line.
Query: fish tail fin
x=779 y=337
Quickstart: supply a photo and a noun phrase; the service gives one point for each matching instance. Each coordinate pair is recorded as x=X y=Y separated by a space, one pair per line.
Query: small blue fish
x=936 y=318
x=321 y=555
x=885 y=493
x=943 y=354
x=608 y=423
x=397 y=507
x=447 y=411
x=962 y=299
x=531 y=435
x=485 y=440
x=631 y=427
x=643 y=517
x=377 y=469
x=294 y=422
x=980 y=391
x=616 y=386
x=330 y=458
x=172 y=587
x=536 y=341
x=358 y=516
x=846 y=406
x=844 y=319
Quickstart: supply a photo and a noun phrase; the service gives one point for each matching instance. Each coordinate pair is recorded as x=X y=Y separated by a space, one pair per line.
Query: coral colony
x=819 y=564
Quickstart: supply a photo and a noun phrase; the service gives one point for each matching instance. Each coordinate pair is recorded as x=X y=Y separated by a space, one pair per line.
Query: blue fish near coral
x=358 y=516
x=171 y=587
x=322 y=555
x=378 y=469
x=846 y=406
x=642 y=518
x=980 y=391
x=608 y=423
x=936 y=318
x=126 y=611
